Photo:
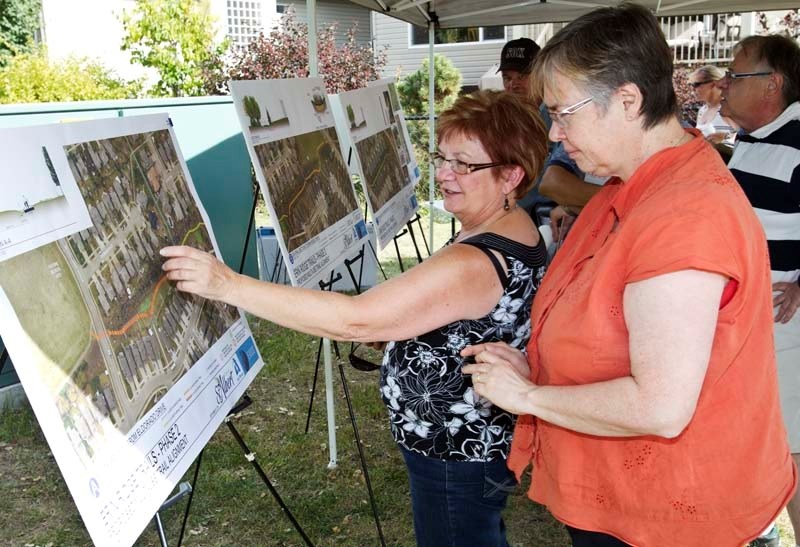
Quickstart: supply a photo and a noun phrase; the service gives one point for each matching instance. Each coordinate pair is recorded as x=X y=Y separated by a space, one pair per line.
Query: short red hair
x=509 y=127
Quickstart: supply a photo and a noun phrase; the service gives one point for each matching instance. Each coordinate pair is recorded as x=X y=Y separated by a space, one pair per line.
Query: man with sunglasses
x=760 y=92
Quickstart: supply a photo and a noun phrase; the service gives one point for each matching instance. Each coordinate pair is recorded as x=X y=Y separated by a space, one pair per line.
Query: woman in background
x=715 y=127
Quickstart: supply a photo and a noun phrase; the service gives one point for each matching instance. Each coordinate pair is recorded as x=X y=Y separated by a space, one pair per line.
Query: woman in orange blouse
x=648 y=399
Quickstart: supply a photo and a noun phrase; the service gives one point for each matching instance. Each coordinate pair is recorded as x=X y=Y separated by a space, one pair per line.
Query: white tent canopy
x=472 y=13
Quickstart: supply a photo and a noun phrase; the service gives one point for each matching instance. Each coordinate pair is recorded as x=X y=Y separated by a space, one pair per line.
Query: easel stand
x=251 y=457
x=327 y=286
x=186 y=489
x=409 y=229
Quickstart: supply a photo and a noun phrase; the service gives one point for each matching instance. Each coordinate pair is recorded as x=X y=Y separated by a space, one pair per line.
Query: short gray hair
x=609 y=47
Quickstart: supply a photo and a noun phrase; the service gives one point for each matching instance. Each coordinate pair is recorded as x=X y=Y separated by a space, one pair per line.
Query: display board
x=128 y=377
x=292 y=140
x=381 y=153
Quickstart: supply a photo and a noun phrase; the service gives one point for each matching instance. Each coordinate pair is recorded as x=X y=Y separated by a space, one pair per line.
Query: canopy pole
x=313 y=63
x=313 y=71
x=431 y=130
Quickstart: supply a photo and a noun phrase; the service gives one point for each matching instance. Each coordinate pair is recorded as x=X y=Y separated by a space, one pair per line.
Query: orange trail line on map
x=297 y=196
x=151 y=308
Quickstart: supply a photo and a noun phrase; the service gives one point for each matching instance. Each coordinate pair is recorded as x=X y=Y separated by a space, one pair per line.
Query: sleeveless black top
x=433 y=409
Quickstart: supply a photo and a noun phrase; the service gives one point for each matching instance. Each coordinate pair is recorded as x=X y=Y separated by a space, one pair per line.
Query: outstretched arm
x=458 y=282
x=671 y=321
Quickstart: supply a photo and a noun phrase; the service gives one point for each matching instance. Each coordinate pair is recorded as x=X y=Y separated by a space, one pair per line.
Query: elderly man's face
x=517 y=82
x=742 y=97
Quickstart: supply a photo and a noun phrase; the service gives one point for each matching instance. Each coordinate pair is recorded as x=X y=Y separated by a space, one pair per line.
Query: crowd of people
x=649 y=379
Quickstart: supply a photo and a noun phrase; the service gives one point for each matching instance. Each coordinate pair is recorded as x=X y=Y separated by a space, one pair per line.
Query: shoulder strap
x=532 y=257
x=501 y=271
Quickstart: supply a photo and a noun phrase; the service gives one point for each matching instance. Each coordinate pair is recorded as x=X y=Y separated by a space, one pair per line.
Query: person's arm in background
x=563 y=182
x=565 y=188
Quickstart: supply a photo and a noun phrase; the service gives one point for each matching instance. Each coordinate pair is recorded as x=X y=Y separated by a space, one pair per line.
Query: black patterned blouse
x=432 y=406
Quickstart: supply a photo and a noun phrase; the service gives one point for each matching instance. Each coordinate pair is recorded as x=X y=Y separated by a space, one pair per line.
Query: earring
x=505 y=204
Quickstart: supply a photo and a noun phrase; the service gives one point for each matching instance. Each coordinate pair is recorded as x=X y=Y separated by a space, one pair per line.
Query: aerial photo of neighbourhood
x=113 y=332
x=384 y=175
x=308 y=184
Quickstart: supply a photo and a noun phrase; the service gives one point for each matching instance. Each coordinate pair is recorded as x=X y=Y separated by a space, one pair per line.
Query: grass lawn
x=231 y=506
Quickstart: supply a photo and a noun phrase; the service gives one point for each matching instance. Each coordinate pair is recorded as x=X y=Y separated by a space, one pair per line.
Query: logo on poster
x=224 y=385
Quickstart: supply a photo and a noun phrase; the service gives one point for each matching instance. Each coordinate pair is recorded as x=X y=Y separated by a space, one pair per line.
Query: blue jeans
x=586 y=538
x=458 y=504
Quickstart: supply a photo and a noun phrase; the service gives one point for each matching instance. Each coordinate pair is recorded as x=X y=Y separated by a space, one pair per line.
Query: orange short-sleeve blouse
x=729 y=472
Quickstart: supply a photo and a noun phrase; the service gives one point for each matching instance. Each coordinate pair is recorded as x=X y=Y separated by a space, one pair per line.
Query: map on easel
x=382 y=156
x=294 y=147
x=128 y=377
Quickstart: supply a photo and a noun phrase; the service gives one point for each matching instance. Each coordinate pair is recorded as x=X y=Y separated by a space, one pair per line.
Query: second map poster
x=293 y=145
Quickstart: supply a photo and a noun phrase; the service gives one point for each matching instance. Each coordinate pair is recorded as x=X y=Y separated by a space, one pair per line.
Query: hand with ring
x=500 y=374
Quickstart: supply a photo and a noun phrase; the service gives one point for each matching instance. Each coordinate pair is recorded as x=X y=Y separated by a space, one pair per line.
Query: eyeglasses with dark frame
x=695 y=85
x=740 y=75
x=461 y=167
x=560 y=117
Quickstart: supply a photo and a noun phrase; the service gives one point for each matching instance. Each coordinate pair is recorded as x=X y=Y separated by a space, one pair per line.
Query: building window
x=244 y=21
x=281 y=8
x=419 y=35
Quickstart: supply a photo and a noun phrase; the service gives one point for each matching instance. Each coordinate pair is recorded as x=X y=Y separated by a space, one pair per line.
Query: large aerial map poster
x=128 y=377
x=290 y=134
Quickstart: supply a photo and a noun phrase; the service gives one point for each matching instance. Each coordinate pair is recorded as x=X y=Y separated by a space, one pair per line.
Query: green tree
x=283 y=53
x=19 y=20
x=32 y=78
x=413 y=90
x=176 y=37
x=252 y=110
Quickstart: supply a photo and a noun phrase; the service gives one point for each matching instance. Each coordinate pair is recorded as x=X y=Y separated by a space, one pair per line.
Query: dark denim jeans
x=585 y=538
x=458 y=504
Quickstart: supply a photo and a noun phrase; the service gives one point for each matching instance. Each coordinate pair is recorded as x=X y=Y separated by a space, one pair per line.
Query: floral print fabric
x=432 y=406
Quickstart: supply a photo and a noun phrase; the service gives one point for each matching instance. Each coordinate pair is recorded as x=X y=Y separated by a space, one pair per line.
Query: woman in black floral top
x=476 y=289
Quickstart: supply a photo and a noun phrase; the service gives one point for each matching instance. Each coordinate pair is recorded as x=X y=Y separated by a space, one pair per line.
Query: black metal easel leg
x=410 y=226
x=249 y=231
x=397 y=250
x=418 y=220
x=3 y=359
x=324 y=286
x=377 y=261
x=252 y=459
x=314 y=385
x=361 y=454
x=191 y=497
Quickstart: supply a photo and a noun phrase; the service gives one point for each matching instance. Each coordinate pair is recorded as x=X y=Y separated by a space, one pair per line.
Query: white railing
x=696 y=39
